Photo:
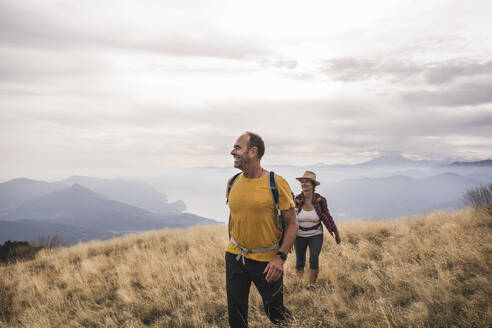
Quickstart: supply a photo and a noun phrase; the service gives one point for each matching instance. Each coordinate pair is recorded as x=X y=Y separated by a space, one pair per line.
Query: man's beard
x=239 y=164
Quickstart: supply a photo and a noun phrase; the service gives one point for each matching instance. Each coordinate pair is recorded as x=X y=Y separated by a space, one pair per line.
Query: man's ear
x=255 y=150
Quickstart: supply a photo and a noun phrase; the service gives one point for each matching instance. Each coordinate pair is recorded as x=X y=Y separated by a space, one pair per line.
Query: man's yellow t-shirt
x=253 y=224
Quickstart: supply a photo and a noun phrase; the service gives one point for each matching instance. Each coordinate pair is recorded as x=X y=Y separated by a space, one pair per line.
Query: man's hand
x=274 y=269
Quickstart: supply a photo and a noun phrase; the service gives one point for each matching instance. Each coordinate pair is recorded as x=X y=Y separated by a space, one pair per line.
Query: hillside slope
x=433 y=270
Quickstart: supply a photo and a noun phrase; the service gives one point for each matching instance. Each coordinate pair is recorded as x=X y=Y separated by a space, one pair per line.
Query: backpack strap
x=244 y=251
x=310 y=228
x=318 y=200
x=278 y=214
x=273 y=189
x=229 y=186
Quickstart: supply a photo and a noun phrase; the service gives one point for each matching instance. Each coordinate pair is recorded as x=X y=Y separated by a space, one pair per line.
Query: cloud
x=449 y=71
x=465 y=94
x=159 y=30
x=349 y=69
x=281 y=63
x=295 y=132
x=23 y=64
x=118 y=85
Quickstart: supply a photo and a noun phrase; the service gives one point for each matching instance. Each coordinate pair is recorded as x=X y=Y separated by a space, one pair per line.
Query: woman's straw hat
x=309 y=175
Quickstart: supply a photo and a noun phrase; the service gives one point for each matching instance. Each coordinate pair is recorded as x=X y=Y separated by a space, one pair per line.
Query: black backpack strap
x=273 y=189
x=229 y=186
x=310 y=228
x=278 y=215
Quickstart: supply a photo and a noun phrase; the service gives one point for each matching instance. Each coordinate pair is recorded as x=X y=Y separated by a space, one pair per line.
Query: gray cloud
x=355 y=69
x=461 y=95
x=149 y=137
x=452 y=70
x=350 y=69
x=68 y=27
x=23 y=64
x=281 y=63
x=173 y=132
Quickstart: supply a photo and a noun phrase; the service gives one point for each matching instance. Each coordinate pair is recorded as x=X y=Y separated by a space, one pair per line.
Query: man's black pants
x=238 y=283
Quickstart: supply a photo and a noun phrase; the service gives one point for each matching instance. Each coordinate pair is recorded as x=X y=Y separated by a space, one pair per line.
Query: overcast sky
x=115 y=87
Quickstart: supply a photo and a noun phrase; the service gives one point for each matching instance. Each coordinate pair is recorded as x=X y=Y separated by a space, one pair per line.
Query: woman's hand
x=337 y=237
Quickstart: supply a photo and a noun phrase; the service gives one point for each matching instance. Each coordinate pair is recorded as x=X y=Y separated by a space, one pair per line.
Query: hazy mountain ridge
x=130 y=192
x=76 y=213
x=17 y=191
x=79 y=206
x=389 y=186
x=203 y=189
x=400 y=160
x=388 y=197
x=487 y=162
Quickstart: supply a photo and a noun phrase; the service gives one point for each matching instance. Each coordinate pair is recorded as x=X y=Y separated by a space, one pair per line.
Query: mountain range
x=397 y=195
x=384 y=187
x=487 y=163
x=84 y=208
x=398 y=160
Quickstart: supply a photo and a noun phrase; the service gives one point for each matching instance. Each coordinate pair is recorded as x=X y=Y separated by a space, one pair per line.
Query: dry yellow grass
x=433 y=270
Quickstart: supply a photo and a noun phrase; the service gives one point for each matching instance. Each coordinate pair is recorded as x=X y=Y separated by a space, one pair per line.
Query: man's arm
x=229 y=226
x=291 y=228
x=275 y=267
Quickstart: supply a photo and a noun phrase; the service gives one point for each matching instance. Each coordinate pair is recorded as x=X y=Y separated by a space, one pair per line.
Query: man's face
x=240 y=152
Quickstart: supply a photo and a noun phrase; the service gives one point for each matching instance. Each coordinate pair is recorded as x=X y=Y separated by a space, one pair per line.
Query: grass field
x=431 y=270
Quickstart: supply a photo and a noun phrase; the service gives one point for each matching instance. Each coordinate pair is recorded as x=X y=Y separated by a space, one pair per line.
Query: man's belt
x=310 y=228
x=244 y=251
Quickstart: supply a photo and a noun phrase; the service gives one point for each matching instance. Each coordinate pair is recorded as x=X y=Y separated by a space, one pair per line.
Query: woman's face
x=306 y=185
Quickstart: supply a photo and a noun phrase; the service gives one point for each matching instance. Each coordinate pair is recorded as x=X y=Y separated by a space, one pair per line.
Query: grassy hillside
x=433 y=270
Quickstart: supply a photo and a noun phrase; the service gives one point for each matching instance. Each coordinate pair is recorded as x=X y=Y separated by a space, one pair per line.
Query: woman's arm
x=327 y=219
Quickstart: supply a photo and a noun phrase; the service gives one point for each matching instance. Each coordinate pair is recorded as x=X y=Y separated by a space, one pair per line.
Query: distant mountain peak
x=134 y=193
x=77 y=189
x=21 y=180
x=396 y=160
x=24 y=181
x=73 y=192
x=393 y=159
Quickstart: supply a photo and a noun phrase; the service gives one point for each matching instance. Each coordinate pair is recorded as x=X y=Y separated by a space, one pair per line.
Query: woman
x=311 y=211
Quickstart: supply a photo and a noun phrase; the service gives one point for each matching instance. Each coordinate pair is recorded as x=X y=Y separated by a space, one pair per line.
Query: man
x=253 y=254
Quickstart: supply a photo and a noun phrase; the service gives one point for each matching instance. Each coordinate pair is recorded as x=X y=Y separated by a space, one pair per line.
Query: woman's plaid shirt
x=319 y=203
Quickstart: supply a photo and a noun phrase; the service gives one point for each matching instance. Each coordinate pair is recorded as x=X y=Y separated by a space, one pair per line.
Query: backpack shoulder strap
x=229 y=186
x=318 y=202
x=273 y=189
x=278 y=216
